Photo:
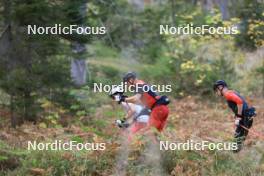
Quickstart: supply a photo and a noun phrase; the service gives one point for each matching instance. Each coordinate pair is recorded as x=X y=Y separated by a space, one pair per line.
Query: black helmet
x=129 y=75
x=219 y=83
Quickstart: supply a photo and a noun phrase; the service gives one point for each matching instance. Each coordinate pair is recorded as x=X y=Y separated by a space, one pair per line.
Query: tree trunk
x=78 y=70
x=207 y=5
x=7 y=11
x=263 y=79
x=173 y=12
x=12 y=109
x=194 y=2
x=28 y=107
x=6 y=38
x=223 y=4
x=78 y=64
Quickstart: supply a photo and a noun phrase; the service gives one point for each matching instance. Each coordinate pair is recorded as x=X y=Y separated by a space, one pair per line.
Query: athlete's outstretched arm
x=134 y=99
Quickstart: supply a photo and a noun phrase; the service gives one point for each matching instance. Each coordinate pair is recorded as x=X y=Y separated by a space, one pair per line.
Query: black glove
x=239 y=116
x=122 y=123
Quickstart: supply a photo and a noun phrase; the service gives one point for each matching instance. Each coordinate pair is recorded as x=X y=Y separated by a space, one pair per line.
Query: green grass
x=102 y=51
x=57 y=164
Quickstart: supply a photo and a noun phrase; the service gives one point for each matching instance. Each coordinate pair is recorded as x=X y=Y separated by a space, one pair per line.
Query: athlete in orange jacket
x=243 y=114
x=149 y=98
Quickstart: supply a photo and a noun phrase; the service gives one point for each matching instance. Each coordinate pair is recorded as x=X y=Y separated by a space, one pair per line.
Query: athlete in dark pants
x=243 y=114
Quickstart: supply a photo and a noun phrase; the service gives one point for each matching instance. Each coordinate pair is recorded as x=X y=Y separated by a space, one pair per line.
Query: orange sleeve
x=231 y=96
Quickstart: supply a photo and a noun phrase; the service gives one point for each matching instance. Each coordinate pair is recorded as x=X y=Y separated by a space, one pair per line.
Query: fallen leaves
x=37 y=171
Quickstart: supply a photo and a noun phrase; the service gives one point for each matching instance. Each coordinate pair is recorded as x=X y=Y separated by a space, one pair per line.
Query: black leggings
x=241 y=133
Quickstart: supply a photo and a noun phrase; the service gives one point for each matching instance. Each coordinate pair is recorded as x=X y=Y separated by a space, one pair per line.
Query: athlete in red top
x=146 y=96
x=243 y=114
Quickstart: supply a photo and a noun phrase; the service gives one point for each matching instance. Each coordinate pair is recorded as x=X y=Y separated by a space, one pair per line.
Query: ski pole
x=253 y=132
